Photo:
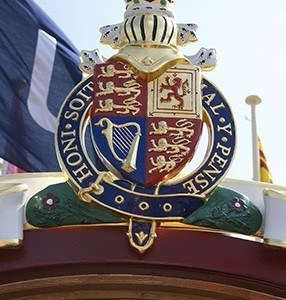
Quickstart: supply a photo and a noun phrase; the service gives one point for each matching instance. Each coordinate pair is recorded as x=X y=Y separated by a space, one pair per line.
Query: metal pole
x=253 y=101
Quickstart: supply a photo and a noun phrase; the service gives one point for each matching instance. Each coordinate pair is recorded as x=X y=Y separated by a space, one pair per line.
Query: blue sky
x=251 y=44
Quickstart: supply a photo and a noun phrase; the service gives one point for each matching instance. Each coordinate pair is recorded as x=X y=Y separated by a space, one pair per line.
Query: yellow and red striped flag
x=265 y=175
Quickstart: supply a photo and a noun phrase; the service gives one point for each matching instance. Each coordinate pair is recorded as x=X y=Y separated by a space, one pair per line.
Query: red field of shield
x=171 y=143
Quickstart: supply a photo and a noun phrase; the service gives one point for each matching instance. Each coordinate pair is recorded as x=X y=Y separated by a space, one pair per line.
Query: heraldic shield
x=146 y=131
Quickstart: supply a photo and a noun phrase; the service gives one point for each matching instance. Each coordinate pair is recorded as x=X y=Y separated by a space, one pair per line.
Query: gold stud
x=144 y=206
x=167 y=207
x=119 y=199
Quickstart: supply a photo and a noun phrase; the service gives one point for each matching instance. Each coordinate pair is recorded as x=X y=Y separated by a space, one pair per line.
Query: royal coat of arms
x=127 y=140
x=146 y=131
x=126 y=132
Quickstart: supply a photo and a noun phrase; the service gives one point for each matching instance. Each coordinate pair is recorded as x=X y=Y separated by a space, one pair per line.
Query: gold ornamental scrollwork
x=95 y=188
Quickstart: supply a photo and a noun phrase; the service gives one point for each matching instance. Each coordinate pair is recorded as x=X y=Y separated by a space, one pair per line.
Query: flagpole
x=253 y=101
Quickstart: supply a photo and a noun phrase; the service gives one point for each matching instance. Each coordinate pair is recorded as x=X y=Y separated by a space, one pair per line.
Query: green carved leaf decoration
x=58 y=205
x=229 y=210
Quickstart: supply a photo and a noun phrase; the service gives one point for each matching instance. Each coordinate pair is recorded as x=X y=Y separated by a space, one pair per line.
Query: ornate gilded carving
x=183 y=127
x=176 y=90
x=121 y=139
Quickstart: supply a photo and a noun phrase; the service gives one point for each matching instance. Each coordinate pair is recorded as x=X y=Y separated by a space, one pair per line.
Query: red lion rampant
x=178 y=90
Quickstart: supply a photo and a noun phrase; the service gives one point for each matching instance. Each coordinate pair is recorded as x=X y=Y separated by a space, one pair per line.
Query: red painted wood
x=175 y=253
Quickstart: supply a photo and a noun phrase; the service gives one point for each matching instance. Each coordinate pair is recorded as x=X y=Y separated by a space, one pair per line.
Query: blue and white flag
x=38 y=68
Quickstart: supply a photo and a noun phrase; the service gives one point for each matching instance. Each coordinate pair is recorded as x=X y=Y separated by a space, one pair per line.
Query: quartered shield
x=146 y=131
